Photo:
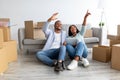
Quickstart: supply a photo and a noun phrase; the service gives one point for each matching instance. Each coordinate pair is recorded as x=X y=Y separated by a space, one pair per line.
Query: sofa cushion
x=91 y=40
x=88 y=33
x=43 y=41
x=34 y=41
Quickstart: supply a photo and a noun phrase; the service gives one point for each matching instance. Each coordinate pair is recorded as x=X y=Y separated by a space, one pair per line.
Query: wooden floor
x=28 y=68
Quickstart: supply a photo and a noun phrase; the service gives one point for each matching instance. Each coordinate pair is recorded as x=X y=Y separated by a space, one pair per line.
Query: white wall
x=70 y=11
x=112 y=15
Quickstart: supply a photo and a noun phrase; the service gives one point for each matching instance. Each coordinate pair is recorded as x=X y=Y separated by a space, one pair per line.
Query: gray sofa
x=33 y=45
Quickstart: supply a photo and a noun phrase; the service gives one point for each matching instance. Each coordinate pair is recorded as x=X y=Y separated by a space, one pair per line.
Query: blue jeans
x=79 y=50
x=48 y=56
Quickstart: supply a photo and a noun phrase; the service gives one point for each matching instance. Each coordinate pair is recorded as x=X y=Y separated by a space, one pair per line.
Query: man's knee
x=63 y=47
x=38 y=55
x=68 y=45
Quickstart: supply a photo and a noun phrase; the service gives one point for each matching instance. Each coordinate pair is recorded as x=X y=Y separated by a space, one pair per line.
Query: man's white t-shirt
x=57 y=41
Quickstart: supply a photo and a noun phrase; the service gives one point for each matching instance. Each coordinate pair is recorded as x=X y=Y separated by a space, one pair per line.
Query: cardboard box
x=1 y=35
x=115 y=63
x=112 y=42
x=4 y=22
x=101 y=53
x=40 y=25
x=33 y=33
x=11 y=50
x=38 y=34
x=3 y=60
x=6 y=33
x=1 y=45
x=118 y=30
x=29 y=29
x=113 y=37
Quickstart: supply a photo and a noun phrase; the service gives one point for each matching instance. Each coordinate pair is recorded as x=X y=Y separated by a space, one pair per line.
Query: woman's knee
x=68 y=46
x=85 y=54
x=81 y=43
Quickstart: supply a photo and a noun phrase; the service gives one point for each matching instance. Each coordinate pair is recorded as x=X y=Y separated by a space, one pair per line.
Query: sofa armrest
x=97 y=32
x=21 y=36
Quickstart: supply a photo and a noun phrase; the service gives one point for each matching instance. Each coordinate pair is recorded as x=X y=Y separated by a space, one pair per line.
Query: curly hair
x=70 y=33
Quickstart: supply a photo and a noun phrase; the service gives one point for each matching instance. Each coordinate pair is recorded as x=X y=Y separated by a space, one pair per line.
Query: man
x=54 y=47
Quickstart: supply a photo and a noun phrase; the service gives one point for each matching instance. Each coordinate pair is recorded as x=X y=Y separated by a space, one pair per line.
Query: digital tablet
x=71 y=41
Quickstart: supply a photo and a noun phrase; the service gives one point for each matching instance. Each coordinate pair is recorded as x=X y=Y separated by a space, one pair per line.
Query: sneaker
x=72 y=65
x=85 y=62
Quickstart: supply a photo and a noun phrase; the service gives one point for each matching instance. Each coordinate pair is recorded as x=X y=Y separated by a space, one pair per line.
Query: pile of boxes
x=109 y=53
x=34 y=30
x=8 y=47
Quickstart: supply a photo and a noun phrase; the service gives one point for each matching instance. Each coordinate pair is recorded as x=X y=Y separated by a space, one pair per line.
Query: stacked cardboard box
x=115 y=44
x=4 y=22
x=103 y=53
x=115 y=63
x=118 y=30
x=6 y=33
x=34 y=31
x=1 y=35
x=112 y=42
x=29 y=29
x=8 y=48
x=113 y=37
x=11 y=50
x=3 y=60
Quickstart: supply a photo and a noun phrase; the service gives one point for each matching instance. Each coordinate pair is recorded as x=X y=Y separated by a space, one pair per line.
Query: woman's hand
x=87 y=14
x=53 y=17
x=85 y=17
x=74 y=45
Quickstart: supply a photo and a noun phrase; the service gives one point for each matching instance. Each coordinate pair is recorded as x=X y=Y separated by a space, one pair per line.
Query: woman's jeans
x=79 y=50
x=48 y=56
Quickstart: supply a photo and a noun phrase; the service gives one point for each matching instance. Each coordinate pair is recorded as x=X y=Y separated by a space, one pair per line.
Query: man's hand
x=53 y=17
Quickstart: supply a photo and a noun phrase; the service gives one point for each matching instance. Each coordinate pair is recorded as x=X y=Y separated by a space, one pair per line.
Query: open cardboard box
x=113 y=37
x=112 y=42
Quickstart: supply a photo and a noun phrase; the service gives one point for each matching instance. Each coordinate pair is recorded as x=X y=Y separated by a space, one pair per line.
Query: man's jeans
x=47 y=56
x=80 y=50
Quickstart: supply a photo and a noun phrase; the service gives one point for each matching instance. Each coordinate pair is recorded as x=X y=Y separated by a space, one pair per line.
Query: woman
x=79 y=50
